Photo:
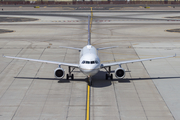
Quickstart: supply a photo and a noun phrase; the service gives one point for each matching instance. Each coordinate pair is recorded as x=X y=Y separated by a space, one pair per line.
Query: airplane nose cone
x=90 y=70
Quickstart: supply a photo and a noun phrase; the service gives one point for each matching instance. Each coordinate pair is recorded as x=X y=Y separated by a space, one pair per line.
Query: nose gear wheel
x=89 y=81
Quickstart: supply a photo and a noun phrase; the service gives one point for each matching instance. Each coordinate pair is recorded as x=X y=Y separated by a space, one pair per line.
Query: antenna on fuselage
x=89 y=30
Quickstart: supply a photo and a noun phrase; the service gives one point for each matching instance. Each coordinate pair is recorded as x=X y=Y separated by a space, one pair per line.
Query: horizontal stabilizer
x=106 y=48
x=71 y=48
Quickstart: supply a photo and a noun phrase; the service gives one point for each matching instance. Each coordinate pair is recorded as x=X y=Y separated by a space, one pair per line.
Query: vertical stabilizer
x=89 y=30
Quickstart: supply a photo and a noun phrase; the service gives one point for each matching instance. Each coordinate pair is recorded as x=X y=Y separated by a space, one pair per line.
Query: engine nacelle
x=120 y=73
x=59 y=73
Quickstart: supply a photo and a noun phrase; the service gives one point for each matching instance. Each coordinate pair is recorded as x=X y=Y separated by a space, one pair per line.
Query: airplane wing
x=132 y=61
x=44 y=61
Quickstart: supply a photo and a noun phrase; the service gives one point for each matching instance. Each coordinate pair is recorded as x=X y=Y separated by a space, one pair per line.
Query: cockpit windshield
x=89 y=62
x=92 y=62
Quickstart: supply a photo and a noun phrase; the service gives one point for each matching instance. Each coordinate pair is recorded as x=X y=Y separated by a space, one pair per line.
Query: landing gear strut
x=108 y=74
x=89 y=81
x=70 y=75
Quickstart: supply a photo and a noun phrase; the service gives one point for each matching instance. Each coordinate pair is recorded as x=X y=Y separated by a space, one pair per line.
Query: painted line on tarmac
x=100 y=21
x=88 y=86
x=88 y=103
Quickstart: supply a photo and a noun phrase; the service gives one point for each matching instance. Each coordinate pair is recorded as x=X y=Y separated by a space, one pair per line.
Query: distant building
x=90 y=0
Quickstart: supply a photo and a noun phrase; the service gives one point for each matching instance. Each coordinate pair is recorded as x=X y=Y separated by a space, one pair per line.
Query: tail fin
x=89 y=31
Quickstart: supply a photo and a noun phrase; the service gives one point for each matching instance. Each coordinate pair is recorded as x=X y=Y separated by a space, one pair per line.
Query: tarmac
x=149 y=91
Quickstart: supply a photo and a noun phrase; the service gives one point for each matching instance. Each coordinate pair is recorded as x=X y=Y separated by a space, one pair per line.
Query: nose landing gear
x=89 y=81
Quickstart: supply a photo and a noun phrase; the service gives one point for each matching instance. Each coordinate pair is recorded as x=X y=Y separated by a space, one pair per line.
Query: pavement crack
x=28 y=87
x=69 y=101
x=117 y=101
x=11 y=61
x=135 y=85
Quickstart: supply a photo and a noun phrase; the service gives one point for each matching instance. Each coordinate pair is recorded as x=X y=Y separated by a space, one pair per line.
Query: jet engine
x=59 y=73
x=120 y=73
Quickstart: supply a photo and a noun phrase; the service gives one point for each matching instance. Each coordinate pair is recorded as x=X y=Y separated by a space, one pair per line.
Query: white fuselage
x=89 y=63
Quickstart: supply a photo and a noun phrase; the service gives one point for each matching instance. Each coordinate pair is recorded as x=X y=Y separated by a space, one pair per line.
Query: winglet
x=174 y=55
x=3 y=55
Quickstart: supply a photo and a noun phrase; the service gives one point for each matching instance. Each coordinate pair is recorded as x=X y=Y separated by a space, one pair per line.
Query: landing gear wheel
x=111 y=76
x=72 y=76
x=106 y=76
x=67 y=77
x=89 y=81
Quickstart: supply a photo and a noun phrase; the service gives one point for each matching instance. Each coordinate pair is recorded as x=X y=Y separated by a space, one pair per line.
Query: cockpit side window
x=83 y=62
x=96 y=62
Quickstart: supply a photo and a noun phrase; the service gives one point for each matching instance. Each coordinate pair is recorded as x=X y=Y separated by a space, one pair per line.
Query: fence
x=85 y=2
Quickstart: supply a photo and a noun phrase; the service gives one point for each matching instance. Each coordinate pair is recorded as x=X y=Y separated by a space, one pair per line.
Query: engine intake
x=120 y=73
x=59 y=73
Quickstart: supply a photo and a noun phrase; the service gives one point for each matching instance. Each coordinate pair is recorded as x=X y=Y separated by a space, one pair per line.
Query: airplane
x=89 y=63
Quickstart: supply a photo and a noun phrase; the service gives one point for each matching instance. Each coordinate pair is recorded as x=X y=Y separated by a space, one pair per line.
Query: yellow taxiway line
x=88 y=87
x=88 y=103
x=91 y=17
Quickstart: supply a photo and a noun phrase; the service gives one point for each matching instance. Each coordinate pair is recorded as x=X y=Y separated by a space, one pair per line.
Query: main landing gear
x=108 y=74
x=70 y=75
